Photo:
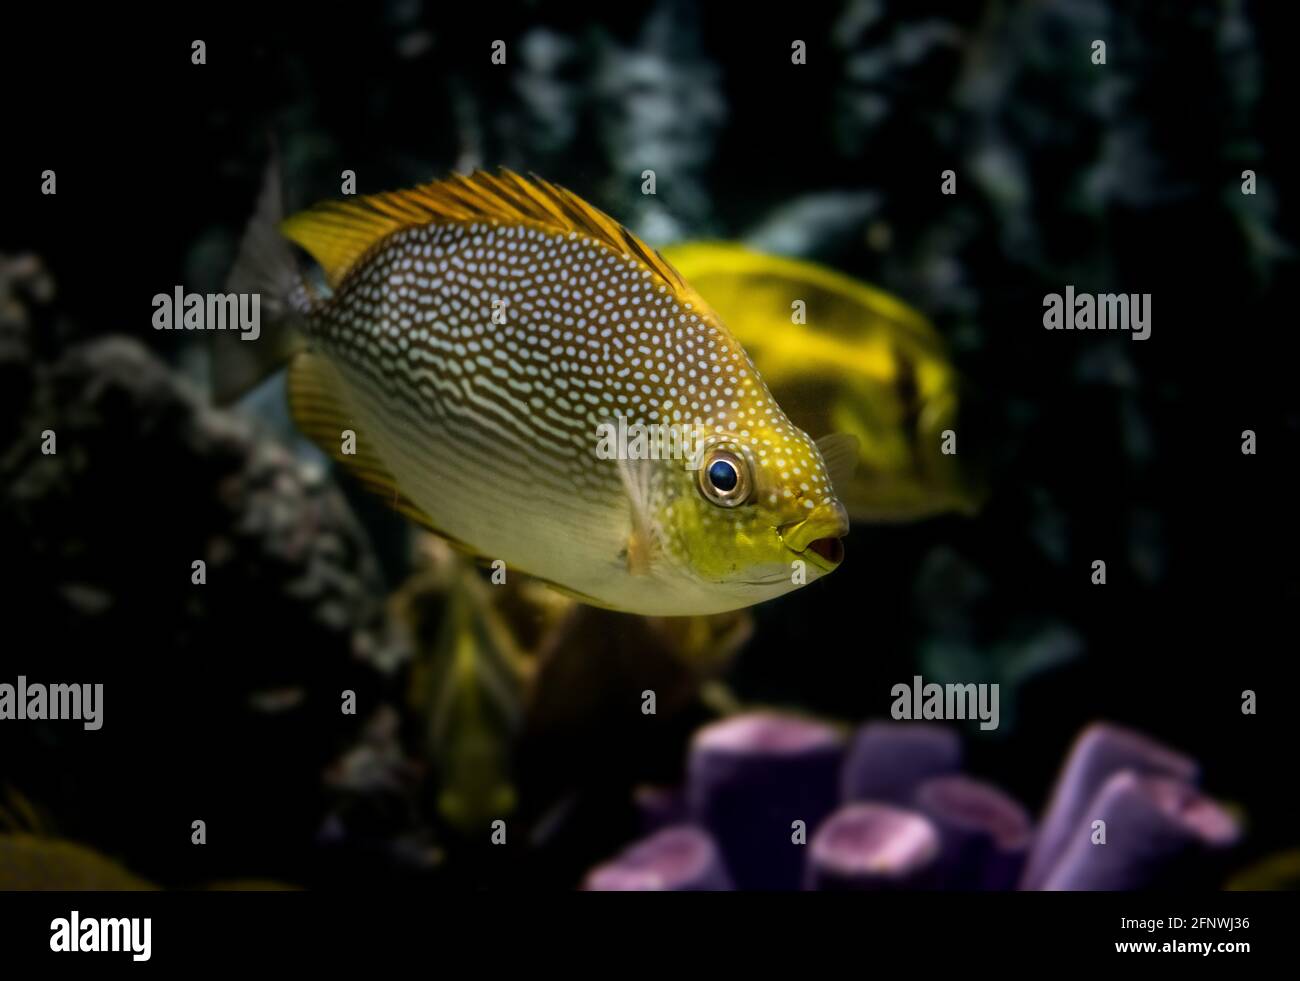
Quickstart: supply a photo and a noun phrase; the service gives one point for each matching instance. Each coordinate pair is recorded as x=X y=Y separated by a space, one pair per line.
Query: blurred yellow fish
x=860 y=362
x=476 y=334
x=467 y=681
x=30 y=862
x=471 y=748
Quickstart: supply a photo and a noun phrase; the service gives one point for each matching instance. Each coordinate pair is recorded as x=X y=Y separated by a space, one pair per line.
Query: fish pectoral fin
x=319 y=406
x=639 y=552
x=840 y=453
x=642 y=542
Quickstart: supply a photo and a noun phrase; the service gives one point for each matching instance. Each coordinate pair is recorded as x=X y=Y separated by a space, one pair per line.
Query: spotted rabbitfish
x=475 y=336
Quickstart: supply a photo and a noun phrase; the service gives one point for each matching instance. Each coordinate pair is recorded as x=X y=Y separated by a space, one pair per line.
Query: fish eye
x=724 y=479
x=723 y=476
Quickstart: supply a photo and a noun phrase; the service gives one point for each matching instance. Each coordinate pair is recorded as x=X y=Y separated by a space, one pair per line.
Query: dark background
x=1122 y=178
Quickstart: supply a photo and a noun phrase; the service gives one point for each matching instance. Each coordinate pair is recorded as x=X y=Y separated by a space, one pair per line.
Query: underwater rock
x=219 y=589
x=888 y=760
x=873 y=847
x=678 y=859
x=376 y=765
x=26 y=293
x=25 y=284
x=1157 y=831
x=1099 y=751
x=750 y=778
x=984 y=834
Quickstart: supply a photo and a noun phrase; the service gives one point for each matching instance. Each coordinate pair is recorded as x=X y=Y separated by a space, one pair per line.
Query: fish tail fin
x=265 y=266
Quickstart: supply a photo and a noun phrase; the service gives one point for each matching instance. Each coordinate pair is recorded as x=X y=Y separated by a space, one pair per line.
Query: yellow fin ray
x=338 y=234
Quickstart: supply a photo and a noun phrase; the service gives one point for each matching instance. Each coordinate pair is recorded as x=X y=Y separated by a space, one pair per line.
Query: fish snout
x=818 y=536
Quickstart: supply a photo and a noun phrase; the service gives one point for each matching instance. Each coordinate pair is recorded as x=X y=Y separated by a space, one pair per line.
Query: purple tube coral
x=1151 y=825
x=873 y=847
x=1100 y=750
x=680 y=859
x=750 y=778
x=984 y=834
x=889 y=760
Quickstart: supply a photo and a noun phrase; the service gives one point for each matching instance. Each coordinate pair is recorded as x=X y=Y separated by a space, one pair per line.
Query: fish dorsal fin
x=840 y=454
x=319 y=407
x=339 y=233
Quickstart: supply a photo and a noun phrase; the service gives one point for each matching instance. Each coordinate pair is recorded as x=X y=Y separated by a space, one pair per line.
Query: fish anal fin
x=573 y=594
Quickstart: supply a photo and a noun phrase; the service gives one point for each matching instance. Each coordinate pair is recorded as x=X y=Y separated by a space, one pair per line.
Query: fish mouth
x=817 y=537
x=829 y=550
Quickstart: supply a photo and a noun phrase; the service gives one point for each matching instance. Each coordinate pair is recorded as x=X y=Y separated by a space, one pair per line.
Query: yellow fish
x=852 y=360
x=475 y=341
x=29 y=862
x=468 y=679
